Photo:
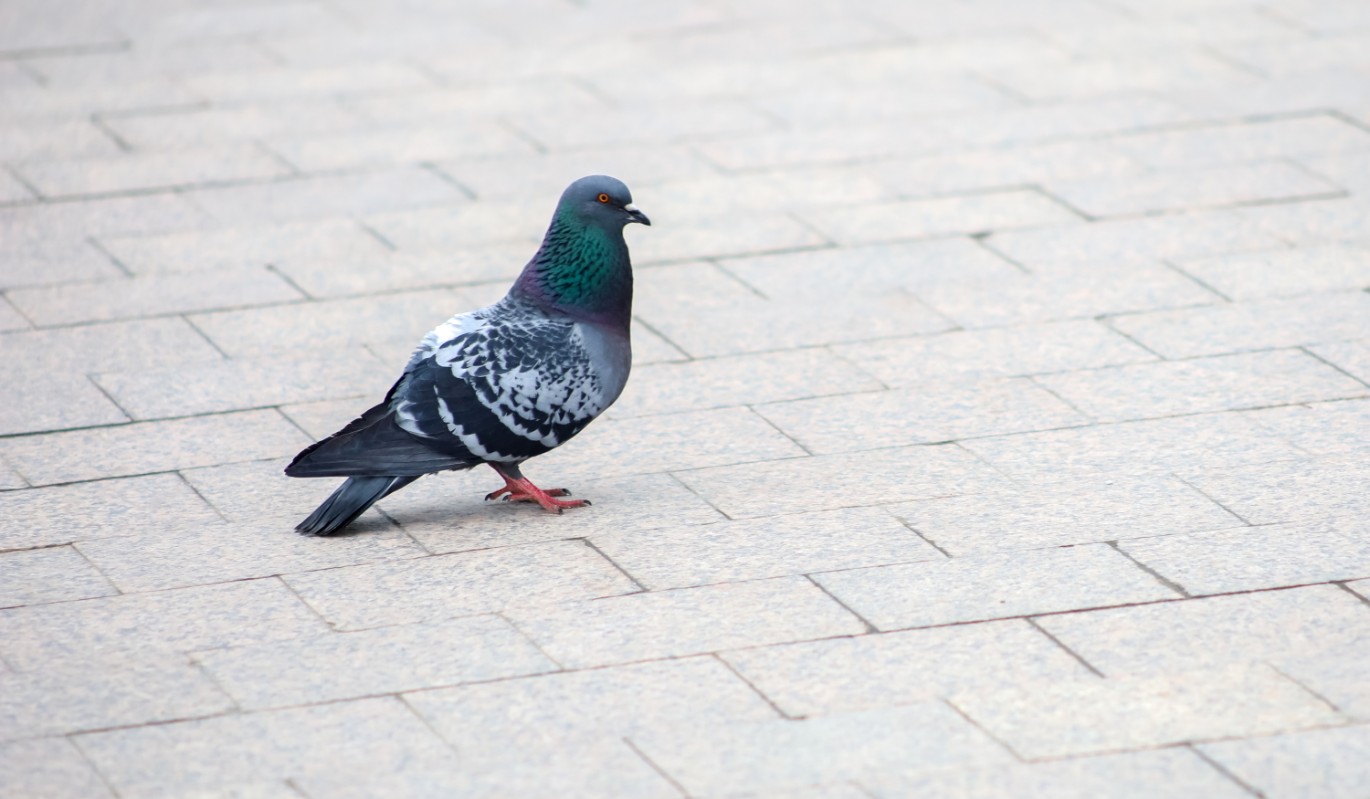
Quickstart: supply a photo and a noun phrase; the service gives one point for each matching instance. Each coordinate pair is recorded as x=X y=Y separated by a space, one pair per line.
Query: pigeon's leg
x=518 y=488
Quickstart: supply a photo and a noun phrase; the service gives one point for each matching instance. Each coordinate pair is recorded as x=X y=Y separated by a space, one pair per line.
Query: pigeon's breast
x=611 y=357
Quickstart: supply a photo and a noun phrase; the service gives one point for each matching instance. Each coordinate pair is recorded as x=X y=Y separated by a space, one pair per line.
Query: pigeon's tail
x=350 y=501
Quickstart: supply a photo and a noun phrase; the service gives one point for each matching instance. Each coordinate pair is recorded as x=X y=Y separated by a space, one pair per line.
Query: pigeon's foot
x=518 y=488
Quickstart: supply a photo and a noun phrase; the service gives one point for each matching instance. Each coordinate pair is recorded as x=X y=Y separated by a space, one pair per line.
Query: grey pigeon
x=505 y=383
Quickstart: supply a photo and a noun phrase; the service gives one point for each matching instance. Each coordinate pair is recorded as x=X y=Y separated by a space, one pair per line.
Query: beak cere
x=636 y=215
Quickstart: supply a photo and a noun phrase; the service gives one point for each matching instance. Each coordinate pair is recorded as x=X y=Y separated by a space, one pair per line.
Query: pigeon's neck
x=583 y=271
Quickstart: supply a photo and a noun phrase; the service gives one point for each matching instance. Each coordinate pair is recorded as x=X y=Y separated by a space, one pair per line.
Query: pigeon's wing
x=505 y=388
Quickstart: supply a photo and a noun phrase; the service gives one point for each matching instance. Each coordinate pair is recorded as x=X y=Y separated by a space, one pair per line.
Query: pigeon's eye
x=604 y=198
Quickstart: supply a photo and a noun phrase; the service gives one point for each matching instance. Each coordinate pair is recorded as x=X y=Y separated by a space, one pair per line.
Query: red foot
x=518 y=488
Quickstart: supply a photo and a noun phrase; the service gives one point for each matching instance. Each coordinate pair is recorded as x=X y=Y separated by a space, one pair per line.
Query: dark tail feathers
x=350 y=501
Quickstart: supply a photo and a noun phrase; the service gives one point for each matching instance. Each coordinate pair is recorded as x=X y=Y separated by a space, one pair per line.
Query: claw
x=518 y=488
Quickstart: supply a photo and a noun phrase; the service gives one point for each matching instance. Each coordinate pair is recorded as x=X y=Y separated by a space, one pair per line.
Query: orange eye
x=604 y=198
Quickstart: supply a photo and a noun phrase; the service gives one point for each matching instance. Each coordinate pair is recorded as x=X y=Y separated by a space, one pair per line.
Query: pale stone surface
x=993 y=586
x=1352 y=357
x=1056 y=719
x=1184 y=189
x=1328 y=763
x=50 y=767
x=843 y=675
x=1289 y=490
x=48 y=575
x=912 y=219
x=155 y=171
x=61 y=514
x=1284 y=273
x=685 y=621
x=387 y=660
x=275 y=245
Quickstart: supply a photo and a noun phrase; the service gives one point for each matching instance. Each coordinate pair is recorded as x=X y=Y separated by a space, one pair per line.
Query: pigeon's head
x=601 y=200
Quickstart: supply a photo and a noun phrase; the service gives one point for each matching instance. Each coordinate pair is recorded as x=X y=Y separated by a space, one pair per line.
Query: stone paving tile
x=1060 y=718
x=50 y=767
x=843 y=480
x=1212 y=633
x=10 y=319
x=1339 y=674
x=881 y=100
x=564 y=130
x=510 y=720
x=461 y=584
x=1352 y=357
x=683 y=622
x=227 y=248
x=1194 y=188
x=1327 y=763
x=999 y=166
x=1250 y=325
x=230 y=385
x=1284 y=273
x=1254 y=141
x=356 y=274
x=541 y=176
x=371 y=737
x=710 y=234
x=1289 y=490
x=383 y=661
x=326 y=196
x=739 y=380
x=50 y=701
x=1175 y=772
x=150 y=171
x=49 y=575
x=375 y=147
x=912 y=219
x=28 y=226
x=93 y=631
x=844 y=675
x=791 y=189
x=49 y=261
x=993 y=586
x=1253 y=558
x=679 y=556
x=42 y=103
x=151 y=295
x=1114 y=74
x=1225 y=382
x=29 y=140
x=62 y=514
x=1323 y=429
x=455 y=228
x=996 y=352
x=12 y=191
x=1311 y=223
x=115 y=346
x=1062 y=512
x=9 y=479
x=774 y=755
x=28 y=407
x=151 y=446
x=921 y=414
x=248 y=85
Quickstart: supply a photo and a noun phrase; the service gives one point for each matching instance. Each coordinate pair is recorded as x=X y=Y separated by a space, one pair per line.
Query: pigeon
x=504 y=383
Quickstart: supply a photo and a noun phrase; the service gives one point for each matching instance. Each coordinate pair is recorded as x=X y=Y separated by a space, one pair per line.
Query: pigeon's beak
x=636 y=215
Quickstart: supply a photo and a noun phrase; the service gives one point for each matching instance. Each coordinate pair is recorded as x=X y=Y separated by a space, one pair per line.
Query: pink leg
x=518 y=488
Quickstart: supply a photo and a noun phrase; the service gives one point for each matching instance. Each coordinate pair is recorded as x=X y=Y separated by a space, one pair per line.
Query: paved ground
x=1000 y=426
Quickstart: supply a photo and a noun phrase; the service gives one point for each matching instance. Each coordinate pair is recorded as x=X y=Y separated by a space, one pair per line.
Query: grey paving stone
x=199 y=126
x=844 y=480
x=151 y=295
x=24 y=140
x=411 y=144
x=761 y=192
x=12 y=191
x=461 y=584
x=1328 y=763
x=920 y=414
x=10 y=319
x=1195 y=188
x=115 y=346
x=539 y=177
x=1339 y=674
x=1253 y=558
x=257 y=495
x=1352 y=357
x=49 y=767
x=1278 y=138
x=74 y=178
x=138 y=628
x=776 y=755
x=49 y=575
x=676 y=121
x=1350 y=170
x=1060 y=718
x=1284 y=273
x=230 y=385
x=247 y=85
x=326 y=196
x=1062 y=512
x=1212 y=442
x=912 y=219
x=1225 y=382
x=371 y=737
x=151 y=446
x=993 y=586
x=999 y=166
x=186 y=56
x=462 y=103
x=1176 y=772
x=1066 y=292
x=711 y=234
x=27 y=406
x=27 y=226
x=1289 y=490
x=81 y=102
x=997 y=352
x=602 y=770
x=446 y=513
x=9 y=479
x=683 y=622
x=739 y=380
x=844 y=675
x=1115 y=74
x=512 y=720
x=61 y=514
x=350 y=275
x=677 y=556
x=1311 y=223
x=451 y=228
x=1321 y=429
x=391 y=659
x=1212 y=633
x=259 y=245
x=704 y=312
x=881 y=100
x=49 y=700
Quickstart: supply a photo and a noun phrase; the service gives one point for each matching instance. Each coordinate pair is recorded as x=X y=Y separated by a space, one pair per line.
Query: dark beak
x=636 y=215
